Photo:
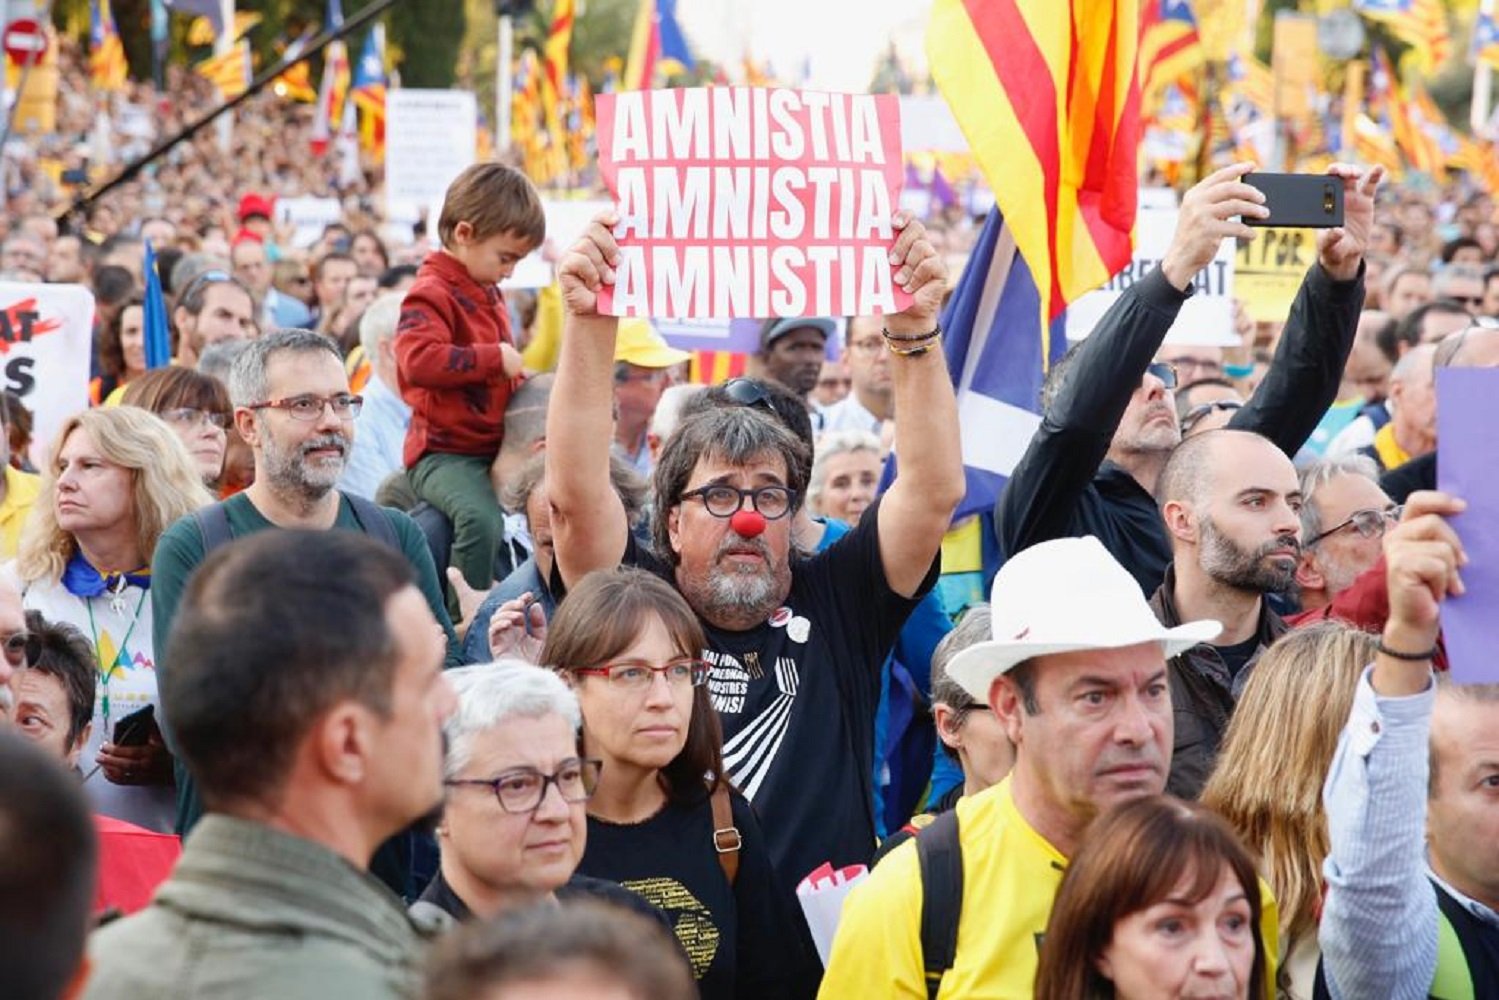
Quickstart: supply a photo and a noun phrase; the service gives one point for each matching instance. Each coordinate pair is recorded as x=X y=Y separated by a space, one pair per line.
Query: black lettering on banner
x=16 y=325
x=18 y=375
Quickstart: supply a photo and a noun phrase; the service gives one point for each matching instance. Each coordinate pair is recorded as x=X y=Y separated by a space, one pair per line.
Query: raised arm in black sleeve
x=1042 y=498
x=1304 y=376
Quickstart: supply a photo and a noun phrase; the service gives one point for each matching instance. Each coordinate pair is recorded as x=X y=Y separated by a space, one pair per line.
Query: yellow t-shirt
x=21 y=489
x=1010 y=879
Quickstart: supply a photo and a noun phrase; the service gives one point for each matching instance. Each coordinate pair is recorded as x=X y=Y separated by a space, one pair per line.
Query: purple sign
x=1466 y=468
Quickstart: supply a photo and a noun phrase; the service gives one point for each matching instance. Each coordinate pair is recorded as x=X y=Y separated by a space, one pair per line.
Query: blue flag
x=992 y=338
x=158 y=335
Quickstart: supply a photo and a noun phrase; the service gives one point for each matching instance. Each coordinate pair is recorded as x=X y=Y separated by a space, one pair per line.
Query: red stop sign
x=24 y=41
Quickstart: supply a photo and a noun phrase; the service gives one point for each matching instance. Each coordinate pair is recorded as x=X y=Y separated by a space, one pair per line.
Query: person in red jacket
x=456 y=363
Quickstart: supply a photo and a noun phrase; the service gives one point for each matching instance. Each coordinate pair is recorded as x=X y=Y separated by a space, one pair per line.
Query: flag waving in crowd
x=107 y=66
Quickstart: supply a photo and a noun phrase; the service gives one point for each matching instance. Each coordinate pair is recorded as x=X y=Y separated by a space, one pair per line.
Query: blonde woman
x=115 y=479
x=1268 y=779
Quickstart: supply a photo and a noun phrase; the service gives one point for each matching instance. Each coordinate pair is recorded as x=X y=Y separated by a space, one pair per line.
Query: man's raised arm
x=589 y=528
x=917 y=509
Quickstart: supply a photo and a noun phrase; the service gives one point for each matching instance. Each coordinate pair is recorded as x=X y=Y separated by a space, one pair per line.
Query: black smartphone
x=1299 y=201
x=135 y=729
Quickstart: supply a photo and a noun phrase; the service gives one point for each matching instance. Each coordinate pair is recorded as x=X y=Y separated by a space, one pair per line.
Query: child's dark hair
x=493 y=198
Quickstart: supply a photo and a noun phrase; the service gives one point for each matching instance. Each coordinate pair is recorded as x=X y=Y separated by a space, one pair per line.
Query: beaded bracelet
x=911 y=337
x=1397 y=654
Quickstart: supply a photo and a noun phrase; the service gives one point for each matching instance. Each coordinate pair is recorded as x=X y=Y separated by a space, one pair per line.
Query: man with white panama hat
x=1076 y=673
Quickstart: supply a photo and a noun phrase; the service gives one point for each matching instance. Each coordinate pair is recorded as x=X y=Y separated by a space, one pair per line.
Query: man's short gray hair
x=379 y=323
x=973 y=627
x=1318 y=475
x=218 y=357
x=489 y=694
x=247 y=382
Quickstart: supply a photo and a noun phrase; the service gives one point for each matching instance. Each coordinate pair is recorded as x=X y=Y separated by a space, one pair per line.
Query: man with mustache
x=1109 y=414
x=796 y=643
x=1230 y=502
x=292 y=405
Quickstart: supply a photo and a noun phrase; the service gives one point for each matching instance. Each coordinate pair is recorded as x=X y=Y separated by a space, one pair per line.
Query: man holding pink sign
x=796 y=642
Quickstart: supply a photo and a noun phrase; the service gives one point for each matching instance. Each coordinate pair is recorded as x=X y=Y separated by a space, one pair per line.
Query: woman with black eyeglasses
x=663 y=819
x=115 y=479
x=512 y=828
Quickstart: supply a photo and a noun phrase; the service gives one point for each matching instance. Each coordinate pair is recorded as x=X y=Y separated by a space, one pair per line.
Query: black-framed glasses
x=748 y=392
x=1369 y=523
x=1196 y=413
x=21 y=648
x=1163 y=371
x=308 y=407
x=190 y=416
x=637 y=675
x=723 y=500
x=522 y=789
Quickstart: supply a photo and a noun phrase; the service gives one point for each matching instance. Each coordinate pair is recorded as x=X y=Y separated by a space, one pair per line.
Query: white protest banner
x=744 y=201
x=307 y=217
x=430 y=137
x=1206 y=319
x=46 y=335
x=566 y=221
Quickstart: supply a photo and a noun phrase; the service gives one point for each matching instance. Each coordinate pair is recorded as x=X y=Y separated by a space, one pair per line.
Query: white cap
x=1063 y=596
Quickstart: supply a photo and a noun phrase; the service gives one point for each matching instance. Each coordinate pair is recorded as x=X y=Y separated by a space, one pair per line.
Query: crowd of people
x=407 y=638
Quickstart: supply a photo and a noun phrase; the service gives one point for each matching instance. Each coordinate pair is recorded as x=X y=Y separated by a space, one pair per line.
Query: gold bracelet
x=916 y=352
x=936 y=331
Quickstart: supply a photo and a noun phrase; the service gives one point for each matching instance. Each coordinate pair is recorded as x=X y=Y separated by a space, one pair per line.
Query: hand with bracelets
x=1423 y=562
x=922 y=272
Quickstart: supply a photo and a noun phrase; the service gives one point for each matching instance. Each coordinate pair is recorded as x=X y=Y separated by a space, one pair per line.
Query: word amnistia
x=738 y=123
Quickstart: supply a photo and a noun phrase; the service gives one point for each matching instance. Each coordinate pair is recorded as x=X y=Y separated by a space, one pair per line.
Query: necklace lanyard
x=105 y=672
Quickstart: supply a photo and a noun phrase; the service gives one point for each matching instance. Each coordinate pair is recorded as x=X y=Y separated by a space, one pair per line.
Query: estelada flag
x=1047 y=93
x=230 y=72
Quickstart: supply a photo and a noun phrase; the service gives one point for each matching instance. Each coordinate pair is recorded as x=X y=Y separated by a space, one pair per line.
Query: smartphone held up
x=1298 y=201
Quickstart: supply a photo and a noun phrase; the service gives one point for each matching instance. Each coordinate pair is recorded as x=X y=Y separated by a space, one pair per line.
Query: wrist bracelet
x=932 y=334
x=916 y=352
x=1396 y=654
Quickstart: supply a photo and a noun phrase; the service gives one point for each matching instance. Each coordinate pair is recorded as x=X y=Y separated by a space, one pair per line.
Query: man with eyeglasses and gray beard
x=292 y=405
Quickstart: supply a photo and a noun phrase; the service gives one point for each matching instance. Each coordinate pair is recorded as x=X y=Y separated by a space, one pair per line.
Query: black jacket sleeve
x=1304 y=376
x=1040 y=501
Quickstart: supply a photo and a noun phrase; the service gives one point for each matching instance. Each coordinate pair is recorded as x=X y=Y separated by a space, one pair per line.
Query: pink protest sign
x=745 y=201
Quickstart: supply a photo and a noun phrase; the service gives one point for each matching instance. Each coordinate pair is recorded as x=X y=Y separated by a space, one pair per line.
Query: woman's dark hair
x=601 y=618
x=111 y=351
x=173 y=388
x=1131 y=859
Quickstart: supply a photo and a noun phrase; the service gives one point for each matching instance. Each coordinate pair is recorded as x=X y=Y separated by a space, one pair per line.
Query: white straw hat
x=1062 y=596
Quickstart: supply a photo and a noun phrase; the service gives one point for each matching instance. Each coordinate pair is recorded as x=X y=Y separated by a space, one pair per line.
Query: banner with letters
x=46 y=340
x=745 y=201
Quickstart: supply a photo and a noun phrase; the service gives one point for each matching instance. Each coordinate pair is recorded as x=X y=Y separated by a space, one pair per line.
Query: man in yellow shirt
x=1076 y=673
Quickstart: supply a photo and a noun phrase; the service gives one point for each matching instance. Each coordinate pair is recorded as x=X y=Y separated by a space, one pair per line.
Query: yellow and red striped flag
x=107 y=67
x=1170 y=47
x=296 y=83
x=230 y=72
x=1047 y=94
x=559 y=38
x=1422 y=24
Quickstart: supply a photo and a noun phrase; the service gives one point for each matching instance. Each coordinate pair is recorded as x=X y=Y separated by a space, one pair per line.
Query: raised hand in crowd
x=519 y=629
x=1423 y=558
x=588 y=264
x=1341 y=249
x=1207 y=218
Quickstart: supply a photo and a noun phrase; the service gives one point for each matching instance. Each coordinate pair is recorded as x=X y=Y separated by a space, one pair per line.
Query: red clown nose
x=747 y=523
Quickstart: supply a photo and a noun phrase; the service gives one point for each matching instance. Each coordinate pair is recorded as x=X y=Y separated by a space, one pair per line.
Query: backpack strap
x=726 y=838
x=213 y=526
x=940 y=855
x=372 y=521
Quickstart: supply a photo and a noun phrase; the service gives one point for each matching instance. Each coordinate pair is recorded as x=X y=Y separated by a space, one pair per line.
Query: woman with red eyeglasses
x=663 y=820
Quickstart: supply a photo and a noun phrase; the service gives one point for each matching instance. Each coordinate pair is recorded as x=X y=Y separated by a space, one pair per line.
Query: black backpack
x=940 y=856
x=213 y=523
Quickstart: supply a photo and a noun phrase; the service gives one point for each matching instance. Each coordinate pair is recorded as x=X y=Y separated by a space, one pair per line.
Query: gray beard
x=737 y=600
x=292 y=476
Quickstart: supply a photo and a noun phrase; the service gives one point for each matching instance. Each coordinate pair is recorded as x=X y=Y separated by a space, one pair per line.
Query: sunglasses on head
x=748 y=392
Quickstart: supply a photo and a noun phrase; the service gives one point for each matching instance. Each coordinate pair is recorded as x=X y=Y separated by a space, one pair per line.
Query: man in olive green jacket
x=307 y=699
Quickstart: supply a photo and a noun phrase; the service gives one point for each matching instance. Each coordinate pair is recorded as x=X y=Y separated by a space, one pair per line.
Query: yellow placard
x=1269 y=269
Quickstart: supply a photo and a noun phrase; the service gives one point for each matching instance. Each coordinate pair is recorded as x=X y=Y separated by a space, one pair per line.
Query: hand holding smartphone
x=1298 y=201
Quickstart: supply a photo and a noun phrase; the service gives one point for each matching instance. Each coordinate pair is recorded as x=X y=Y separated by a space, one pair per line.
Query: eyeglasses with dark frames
x=309 y=407
x=521 y=790
x=1196 y=413
x=1369 y=523
x=722 y=500
x=1165 y=372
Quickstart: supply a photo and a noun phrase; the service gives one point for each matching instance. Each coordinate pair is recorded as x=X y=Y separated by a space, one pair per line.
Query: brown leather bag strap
x=726 y=838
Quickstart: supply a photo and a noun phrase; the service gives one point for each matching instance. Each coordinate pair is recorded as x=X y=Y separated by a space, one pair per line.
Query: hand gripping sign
x=745 y=201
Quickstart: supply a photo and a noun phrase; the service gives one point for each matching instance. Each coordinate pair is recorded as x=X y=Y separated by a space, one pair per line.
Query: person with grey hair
x=380 y=428
x=24 y=255
x=514 y=824
x=1344 y=516
x=293 y=407
x=667 y=415
x=845 y=475
x=968 y=732
x=1412 y=428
